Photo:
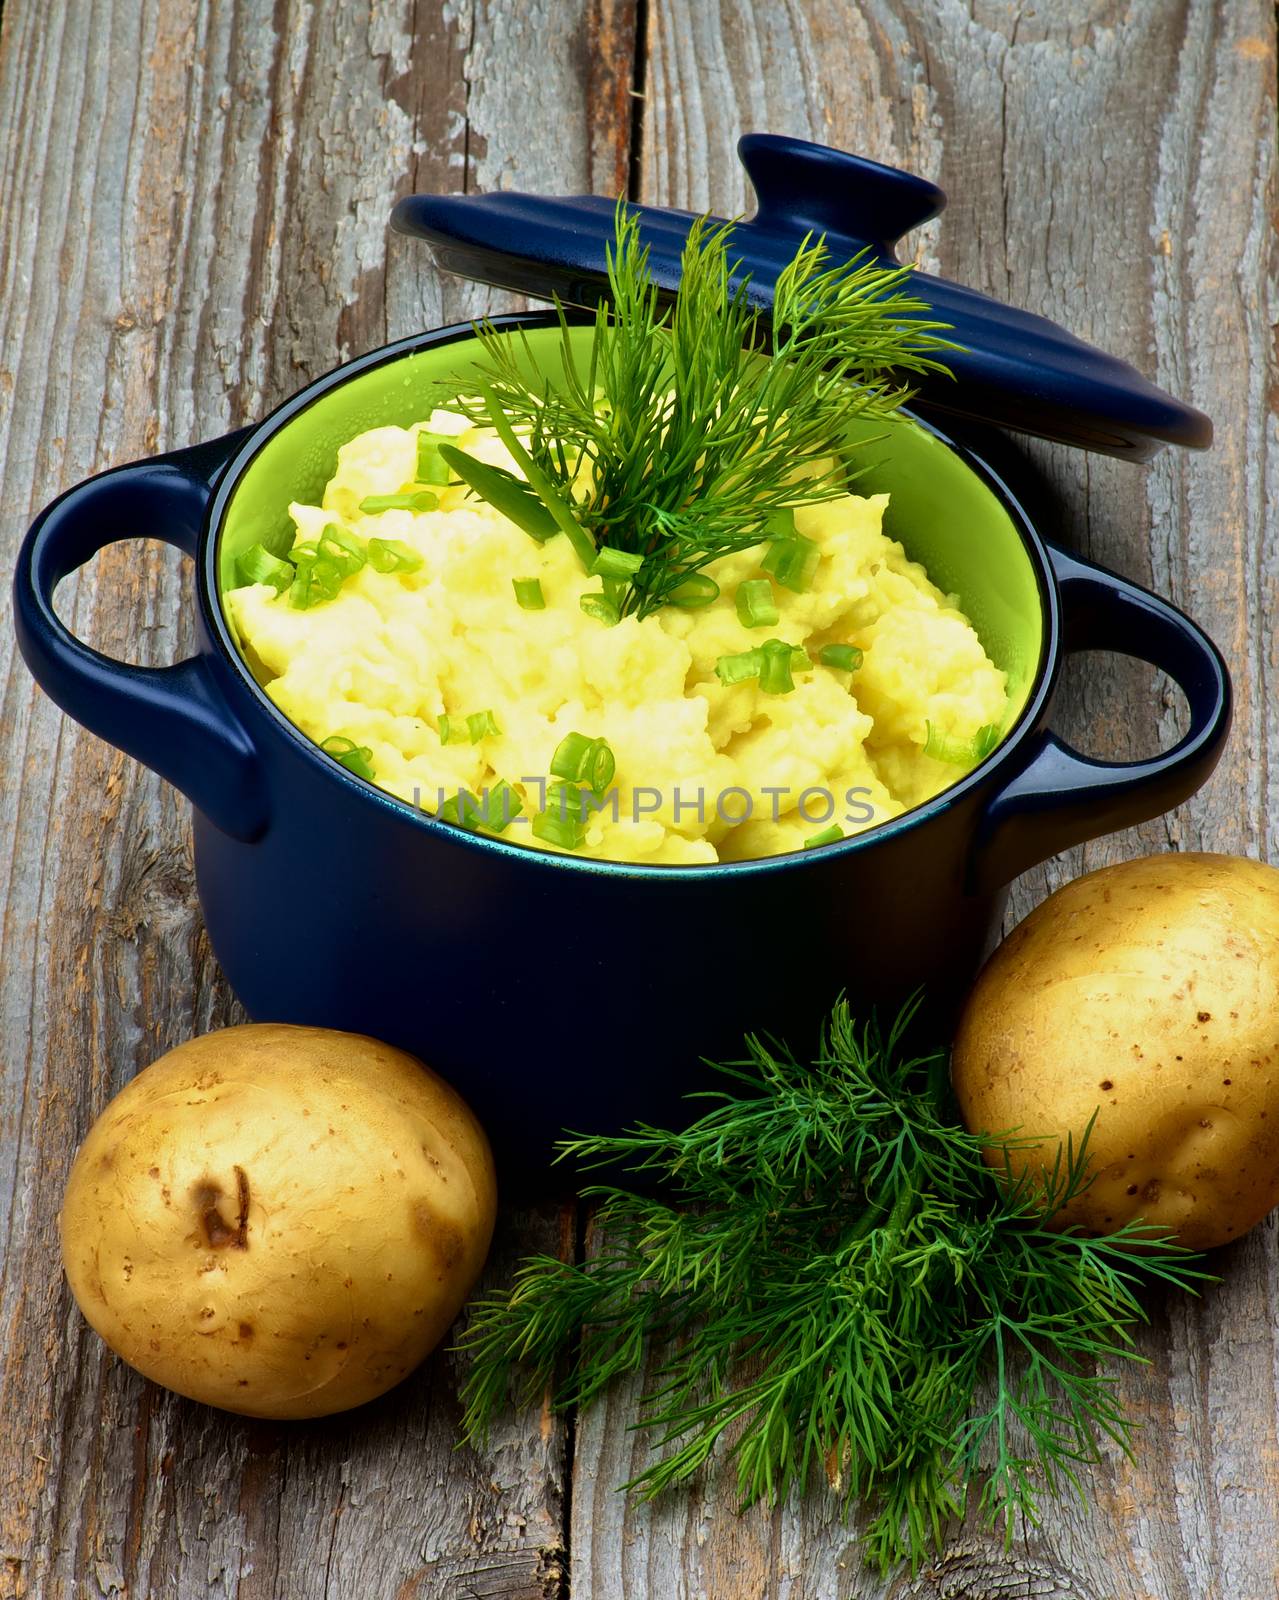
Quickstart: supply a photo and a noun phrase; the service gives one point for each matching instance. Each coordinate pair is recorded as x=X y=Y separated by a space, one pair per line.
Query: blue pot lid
x=1014 y=368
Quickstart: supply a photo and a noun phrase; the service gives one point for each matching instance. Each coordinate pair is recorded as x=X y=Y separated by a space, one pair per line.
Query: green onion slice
x=431 y=465
x=611 y=563
x=258 y=565
x=393 y=555
x=985 y=740
x=419 y=500
x=696 y=591
x=504 y=492
x=356 y=758
x=793 y=562
x=960 y=752
x=528 y=594
x=502 y=805
x=337 y=545
x=826 y=836
x=601 y=608
x=579 y=757
x=464 y=809
x=562 y=822
x=740 y=667
x=540 y=484
x=756 y=605
x=480 y=724
x=843 y=657
x=317 y=579
x=775 y=667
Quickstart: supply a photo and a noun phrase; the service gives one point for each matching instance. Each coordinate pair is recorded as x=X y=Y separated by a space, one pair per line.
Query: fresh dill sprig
x=692 y=428
x=840 y=1290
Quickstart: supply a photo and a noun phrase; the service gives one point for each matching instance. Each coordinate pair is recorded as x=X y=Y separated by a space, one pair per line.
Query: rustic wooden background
x=193 y=207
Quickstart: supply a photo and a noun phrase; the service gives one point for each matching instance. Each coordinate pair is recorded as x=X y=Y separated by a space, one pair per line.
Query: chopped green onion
x=826 y=836
x=697 y=590
x=480 y=724
x=601 y=608
x=772 y=663
x=756 y=605
x=356 y=758
x=775 y=667
x=337 y=545
x=843 y=657
x=611 y=563
x=738 y=668
x=431 y=466
x=562 y=822
x=447 y=732
x=502 y=805
x=393 y=555
x=793 y=562
x=985 y=740
x=464 y=809
x=317 y=578
x=960 y=752
x=528 y=594
x=780 y=523
x=569 y=755
x=421 y=500
x=258 y=565
x=590 y=760
x=504 y=492
x=540 y=483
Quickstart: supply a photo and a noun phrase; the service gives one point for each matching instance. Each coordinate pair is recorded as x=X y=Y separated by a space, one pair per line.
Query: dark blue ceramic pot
x=565 y=993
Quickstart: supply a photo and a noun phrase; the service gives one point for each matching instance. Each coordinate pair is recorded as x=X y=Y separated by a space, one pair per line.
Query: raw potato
x=1149 y=993
x=280 y=1221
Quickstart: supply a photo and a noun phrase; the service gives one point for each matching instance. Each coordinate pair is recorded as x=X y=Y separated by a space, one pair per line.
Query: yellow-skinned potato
x=1147 y=992
x=280 y=1221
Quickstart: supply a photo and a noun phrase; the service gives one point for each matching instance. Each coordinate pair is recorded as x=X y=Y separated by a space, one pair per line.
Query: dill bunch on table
x=838 y=1289
x=692 y=426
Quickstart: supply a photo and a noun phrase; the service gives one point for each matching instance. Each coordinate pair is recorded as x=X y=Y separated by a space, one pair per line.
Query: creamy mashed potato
x=704 y=771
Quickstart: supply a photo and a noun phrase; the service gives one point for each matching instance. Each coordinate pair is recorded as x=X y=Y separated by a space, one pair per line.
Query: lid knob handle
x=802 y=187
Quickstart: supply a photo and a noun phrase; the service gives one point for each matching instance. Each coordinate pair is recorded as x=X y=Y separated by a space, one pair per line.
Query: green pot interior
x=941 y=511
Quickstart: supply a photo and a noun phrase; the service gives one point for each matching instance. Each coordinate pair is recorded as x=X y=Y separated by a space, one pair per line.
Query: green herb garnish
x=579 y=757
x=356 y=758
x=392 y=555
x=960 y=752
x=501 y=807
x=258 y=565
x=793 y=562
x=756 y=603
x=431 y=464
x=676 y=438
x=562 y=821
x=316 y=578
x=480 y=724
x=528 y=594
x=830 y=835
x=839 y=1290
x=601 y=608
x=410 y=500
x=843 y=657
x=463 y=809
x=772 y=663
x=505 y=493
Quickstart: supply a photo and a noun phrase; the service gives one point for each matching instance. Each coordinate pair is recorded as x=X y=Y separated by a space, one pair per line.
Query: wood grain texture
x=194 y=203
x=1112 y=166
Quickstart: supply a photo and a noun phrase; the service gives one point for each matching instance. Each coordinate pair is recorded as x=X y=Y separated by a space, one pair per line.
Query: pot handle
x=173 y=719
x=1060 y=797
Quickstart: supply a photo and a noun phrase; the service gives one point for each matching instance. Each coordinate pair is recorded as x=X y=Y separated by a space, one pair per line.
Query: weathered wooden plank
x=1113 y=167
x=194 y=203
